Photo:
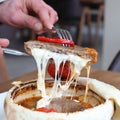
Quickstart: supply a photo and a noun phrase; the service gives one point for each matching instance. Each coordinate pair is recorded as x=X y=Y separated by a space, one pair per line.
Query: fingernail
x=50 y=26
x=38 y=26
x=57 y=18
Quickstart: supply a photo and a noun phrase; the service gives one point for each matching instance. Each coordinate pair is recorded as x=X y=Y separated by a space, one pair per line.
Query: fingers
x=47 y=15
x=3 y=43
x=18 y=14
x=49 y=19
x=46 y=18
x=29 y=21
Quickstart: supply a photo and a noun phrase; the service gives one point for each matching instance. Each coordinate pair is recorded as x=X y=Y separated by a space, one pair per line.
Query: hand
x=34 y=14
x=3 y=43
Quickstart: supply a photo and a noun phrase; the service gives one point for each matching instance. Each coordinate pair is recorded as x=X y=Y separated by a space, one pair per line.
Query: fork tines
x=62 y=33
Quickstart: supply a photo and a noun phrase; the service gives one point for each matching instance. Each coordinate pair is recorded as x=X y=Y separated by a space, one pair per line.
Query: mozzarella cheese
x=42 y=57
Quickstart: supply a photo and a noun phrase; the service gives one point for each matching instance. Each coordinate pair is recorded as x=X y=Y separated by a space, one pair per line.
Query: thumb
x=31 y=22
x=4 y=42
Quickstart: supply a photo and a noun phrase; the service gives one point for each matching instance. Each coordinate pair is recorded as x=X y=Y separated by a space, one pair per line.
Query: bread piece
x=86 y=53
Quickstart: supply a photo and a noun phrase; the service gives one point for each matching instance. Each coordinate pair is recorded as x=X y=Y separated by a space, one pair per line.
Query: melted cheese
x=42 y=57
x=87 y=84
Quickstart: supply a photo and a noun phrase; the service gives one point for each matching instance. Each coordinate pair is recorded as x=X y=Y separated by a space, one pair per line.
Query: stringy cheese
x=42 y=57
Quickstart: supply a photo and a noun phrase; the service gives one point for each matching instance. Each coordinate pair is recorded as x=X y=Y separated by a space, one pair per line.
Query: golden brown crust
x=14 y=111
x=93 y=53
x=86 y=53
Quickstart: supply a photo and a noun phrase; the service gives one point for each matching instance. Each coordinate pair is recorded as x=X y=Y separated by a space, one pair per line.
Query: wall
x=111 y=41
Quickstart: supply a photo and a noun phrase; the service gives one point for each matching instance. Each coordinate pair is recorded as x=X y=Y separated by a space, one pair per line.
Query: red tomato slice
x=55 y=40
x=46 y=110
x=64 y=70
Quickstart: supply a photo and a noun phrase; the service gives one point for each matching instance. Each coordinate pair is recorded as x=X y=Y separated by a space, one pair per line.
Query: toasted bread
x=86 y=53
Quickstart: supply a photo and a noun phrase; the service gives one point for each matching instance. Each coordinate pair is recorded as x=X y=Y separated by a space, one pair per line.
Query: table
x=112 y=78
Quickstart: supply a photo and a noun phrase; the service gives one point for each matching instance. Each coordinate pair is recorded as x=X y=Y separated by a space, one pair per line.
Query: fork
x=62 y=33
x=14 y=52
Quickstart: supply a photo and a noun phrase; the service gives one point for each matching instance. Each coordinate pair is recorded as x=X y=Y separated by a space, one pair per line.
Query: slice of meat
x=64 y=105
x=86 y=53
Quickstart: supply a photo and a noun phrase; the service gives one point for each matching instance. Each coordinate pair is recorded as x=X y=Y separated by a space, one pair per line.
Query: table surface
x=112 y=78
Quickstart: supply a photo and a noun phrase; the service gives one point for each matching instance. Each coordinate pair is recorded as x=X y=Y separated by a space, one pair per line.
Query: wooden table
x=105 y=76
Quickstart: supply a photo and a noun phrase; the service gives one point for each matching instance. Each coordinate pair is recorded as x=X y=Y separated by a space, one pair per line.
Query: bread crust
x=101 y=112
x=86 y=53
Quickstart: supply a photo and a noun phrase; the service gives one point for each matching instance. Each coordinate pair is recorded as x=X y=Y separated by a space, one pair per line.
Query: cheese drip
x=42 y=57
x=87 y=84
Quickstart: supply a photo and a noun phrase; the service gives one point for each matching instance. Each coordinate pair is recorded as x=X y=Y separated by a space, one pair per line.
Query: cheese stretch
x=42 y=57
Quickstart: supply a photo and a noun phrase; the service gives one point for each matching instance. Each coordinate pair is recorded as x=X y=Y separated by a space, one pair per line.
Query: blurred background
x=92 y=23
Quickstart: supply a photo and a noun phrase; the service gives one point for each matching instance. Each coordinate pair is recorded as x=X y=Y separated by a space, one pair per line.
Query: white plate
x=2 y=97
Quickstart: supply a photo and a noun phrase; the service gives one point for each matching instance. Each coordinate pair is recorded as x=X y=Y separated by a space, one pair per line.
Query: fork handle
x=13 y=52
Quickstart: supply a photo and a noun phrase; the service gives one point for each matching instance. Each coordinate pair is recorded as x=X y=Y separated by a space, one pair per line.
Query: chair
x=69 y=12
x=3 y=70
x=92 y=12
x=115 y=65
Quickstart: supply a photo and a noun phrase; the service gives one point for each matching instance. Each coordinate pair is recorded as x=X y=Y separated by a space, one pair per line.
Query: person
x=34 y=14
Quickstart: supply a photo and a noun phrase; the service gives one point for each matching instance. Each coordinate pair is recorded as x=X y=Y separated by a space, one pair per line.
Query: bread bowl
x=106 y=95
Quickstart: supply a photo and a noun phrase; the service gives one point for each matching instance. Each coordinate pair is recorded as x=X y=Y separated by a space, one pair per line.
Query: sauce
x=61 y=105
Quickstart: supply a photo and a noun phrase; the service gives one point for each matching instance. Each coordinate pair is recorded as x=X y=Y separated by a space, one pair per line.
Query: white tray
x=2 y=97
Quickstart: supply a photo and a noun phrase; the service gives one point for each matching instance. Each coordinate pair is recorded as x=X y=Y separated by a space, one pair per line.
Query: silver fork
x=62 y=33
x=14 y=52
